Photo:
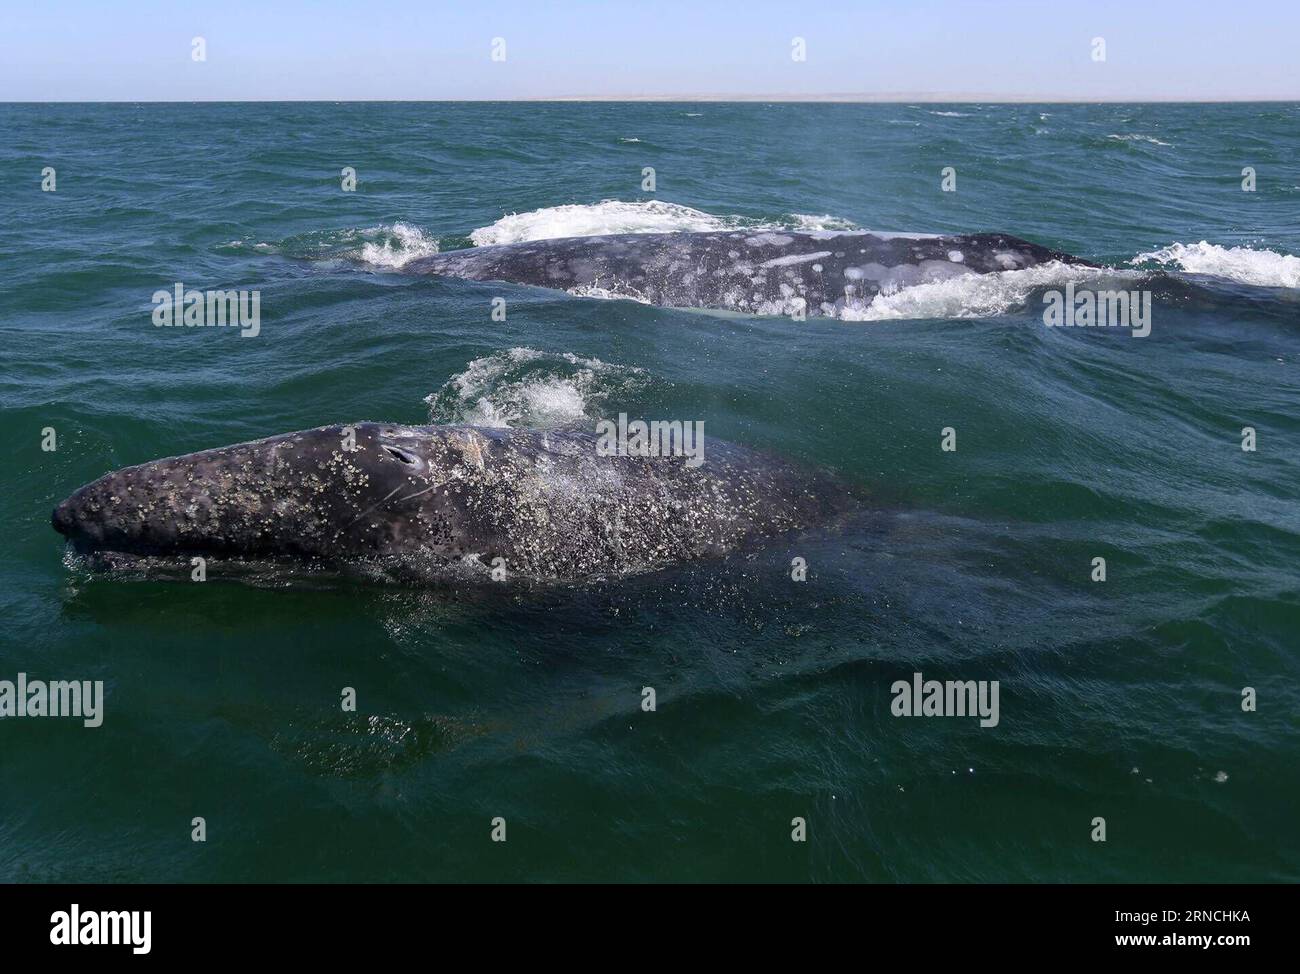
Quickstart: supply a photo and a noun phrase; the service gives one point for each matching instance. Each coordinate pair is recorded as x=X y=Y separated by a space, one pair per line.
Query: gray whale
x=768 y=272
x=444 y=502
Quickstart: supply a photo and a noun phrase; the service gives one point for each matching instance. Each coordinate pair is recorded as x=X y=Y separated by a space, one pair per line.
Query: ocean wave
x=979 y=295
x=388 y=245
x=643 y=216
x=1262 y=268
x=261 y=246
x=531 y=388
x=1138 y=137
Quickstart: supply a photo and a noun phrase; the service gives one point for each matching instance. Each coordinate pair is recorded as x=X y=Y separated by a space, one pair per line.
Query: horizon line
x=826 y=98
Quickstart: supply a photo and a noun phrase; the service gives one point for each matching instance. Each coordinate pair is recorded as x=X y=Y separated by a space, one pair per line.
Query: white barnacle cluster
x=555 y=508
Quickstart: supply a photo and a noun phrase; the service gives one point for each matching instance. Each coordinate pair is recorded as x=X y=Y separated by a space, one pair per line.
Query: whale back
x=754 y=272
x=553 y=506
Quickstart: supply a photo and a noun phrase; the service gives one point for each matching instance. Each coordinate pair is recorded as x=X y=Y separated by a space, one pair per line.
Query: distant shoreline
x=894 y=98
x=931 y=97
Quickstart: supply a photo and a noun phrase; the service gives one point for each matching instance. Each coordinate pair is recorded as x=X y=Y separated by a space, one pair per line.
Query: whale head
x=366 y=489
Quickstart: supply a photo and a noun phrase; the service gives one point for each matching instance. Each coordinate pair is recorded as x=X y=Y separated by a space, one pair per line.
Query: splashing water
x=979 y=295
x=395 y=246
x=617 y=216
x=1262 y=268
x=529 y=388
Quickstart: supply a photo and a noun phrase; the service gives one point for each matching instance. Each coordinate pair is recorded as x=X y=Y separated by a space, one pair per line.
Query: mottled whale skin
x=827 y=272
x=443 y=502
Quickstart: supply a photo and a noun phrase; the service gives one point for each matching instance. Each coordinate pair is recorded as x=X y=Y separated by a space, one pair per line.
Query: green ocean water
x=1118 y=699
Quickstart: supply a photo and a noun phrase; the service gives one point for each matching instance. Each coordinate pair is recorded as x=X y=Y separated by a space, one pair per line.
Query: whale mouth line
x=83 y=543
x=90 y=548
x=112 y=551
x=173 y=565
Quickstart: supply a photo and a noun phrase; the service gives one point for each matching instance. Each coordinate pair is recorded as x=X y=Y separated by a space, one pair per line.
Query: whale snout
x=165 y=506
x=72 y=518
x=64 y=518
x=85 y=517
x=305 y=494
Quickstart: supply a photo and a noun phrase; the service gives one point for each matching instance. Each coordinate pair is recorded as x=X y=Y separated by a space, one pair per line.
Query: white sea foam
x=643 y=216
x=978 y=295
x=388 y=245
x=1262 y=268
x=527 y=387
x=610 y=216
x=396 y=245
x=809 y=222
x=608 y=294
x=1137 y=137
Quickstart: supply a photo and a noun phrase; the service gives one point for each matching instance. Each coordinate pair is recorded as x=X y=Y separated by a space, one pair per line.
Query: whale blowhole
x=407 y=458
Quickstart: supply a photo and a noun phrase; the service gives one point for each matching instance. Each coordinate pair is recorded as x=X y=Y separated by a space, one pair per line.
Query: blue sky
x=139 y=50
